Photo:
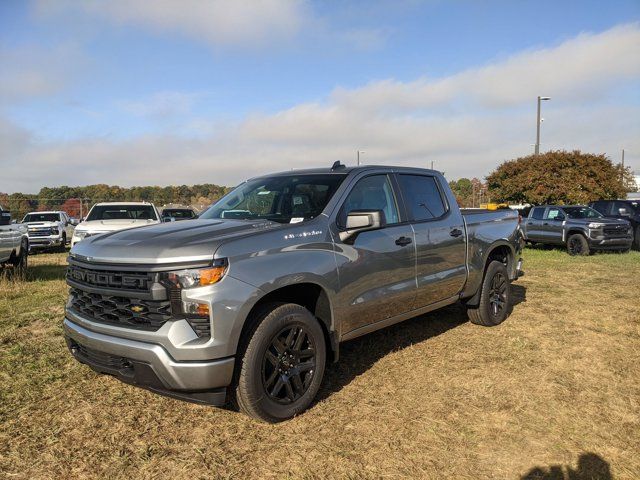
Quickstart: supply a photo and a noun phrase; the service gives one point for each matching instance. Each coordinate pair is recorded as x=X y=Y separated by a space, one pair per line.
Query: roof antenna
x=337 y=165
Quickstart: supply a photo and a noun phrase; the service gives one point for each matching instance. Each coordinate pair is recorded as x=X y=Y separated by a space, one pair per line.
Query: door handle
x=529 y=223
x=545 y=224
x=456 y=232
x=403 y=241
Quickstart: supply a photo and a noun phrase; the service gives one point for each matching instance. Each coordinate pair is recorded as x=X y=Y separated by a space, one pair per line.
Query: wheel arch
x=502 y=251
x=313 y=296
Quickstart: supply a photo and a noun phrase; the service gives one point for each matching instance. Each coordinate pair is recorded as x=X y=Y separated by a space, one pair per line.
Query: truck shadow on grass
x=46 y=272
x=590 y=467
x=358 y=355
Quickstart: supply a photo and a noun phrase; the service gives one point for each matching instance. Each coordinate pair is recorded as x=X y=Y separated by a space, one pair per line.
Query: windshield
x=582 y=212
x=283 y=199
x=174 y=213
x=122 y=212
x=41 y=217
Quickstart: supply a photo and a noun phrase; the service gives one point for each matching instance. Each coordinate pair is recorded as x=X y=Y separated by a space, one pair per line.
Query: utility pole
x=431 y=164
x=358 y=152
x=538 y=121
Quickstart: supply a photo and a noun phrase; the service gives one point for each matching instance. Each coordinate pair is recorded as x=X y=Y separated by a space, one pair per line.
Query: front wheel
x=19 y=262
x=636 y=238
x=577 y=245
x=495 y=297
x=282 y=366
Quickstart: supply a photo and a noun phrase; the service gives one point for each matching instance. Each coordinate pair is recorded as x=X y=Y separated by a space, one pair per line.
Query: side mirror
x=5 y=218
x=74 y=221
x=624 y=212
x=362 y=221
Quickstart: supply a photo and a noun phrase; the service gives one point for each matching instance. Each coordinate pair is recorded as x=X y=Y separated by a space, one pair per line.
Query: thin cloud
x=466 y=123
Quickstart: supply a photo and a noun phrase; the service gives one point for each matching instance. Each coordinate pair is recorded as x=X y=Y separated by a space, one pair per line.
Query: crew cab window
x=41 y=217
x=371 y=193
x=538 y=213
x=422 y=196
x=122 y=212
x=603 y=207
x=554 y=214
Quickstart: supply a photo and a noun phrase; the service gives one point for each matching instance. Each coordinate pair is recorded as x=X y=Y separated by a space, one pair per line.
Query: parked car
x=114 y=216
x=249 y=302
x=49 y=229
x=581 y=229
x=623 y=209
x=176 y=214
x=14 y=242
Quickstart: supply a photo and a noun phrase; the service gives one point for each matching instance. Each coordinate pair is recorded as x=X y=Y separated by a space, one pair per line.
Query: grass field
x=552 y=393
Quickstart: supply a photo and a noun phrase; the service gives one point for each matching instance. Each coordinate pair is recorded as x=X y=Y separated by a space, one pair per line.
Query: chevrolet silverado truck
x=14 y=242
x=113 y=216
x=49 y=229
x=249 y=302
x=582 y=230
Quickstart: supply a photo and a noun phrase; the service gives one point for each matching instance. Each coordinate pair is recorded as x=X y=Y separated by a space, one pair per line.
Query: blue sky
x=134 y=92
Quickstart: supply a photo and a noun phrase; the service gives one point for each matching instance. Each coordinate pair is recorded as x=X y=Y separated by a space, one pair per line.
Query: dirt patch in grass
x=554 y=391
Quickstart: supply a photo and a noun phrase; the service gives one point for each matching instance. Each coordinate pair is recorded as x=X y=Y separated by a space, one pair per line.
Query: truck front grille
x=115 y=280
x=120 y=311
x=43 y=232
x=616 y=231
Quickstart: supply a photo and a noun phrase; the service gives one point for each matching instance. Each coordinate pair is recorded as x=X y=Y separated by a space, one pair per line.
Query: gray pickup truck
x=582 y=230
x=249 y=302
x=14 y=242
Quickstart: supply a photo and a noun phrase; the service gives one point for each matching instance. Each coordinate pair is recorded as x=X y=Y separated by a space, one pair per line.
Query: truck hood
x=112 y=225
x=606 y=221
x=41 y=224
x=166 y=243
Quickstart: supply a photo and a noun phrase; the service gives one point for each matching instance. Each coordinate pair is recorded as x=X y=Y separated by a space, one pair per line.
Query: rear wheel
x=282 y=366
x=20 y=261
x=577 y=245
x=495 y=297
x=636 y=238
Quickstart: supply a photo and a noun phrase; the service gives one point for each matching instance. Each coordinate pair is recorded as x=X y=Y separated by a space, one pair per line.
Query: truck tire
x=495 y=297
x=63 y=243
x=19 y=262
x=636 y=238
x=281 y=369
x=577 y=245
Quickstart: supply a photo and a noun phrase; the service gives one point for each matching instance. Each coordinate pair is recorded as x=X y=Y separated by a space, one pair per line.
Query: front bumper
x=149 y=366
x=611 y=243
x=45 y=242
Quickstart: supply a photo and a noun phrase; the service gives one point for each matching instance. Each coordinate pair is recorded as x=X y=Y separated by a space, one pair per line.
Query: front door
x=377 y=269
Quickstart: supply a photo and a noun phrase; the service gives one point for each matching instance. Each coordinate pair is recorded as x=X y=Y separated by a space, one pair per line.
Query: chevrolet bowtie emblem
x=137 y=309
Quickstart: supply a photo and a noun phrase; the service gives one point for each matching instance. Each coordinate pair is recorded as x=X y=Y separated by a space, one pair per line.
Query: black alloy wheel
x=498 y=294
x=289 y=364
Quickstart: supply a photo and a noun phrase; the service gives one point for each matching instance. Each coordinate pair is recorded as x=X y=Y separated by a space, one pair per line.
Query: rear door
x=553 y=225
x=441 y=269
x=533 y=225
x=6 y=235
x=377 y=269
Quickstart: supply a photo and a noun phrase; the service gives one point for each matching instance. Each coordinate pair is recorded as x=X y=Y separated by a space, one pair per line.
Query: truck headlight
x=200 y=277
x=80 y=234
x=596 y=225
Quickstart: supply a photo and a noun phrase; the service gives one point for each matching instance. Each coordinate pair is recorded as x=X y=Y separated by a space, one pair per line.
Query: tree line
x=74 y=199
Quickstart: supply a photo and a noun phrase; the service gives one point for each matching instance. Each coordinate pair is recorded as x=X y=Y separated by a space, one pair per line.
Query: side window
x=554 y=214
x=422 y=196
x=371 y=193
x=602 y=207
x=538 y=213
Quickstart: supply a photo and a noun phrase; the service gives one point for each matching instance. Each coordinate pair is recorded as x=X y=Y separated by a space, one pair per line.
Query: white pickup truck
x=52 y=229
x=112 y=216
x=14 y=242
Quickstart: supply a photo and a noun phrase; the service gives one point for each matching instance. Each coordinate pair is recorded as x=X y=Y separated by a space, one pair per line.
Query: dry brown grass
x=434 y=397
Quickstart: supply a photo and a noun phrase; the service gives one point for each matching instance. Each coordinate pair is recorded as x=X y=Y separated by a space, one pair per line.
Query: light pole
x=538 y=123
x=358 y=152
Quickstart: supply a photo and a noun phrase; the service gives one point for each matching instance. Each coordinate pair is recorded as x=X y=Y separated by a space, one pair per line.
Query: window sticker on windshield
x=296 y=220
